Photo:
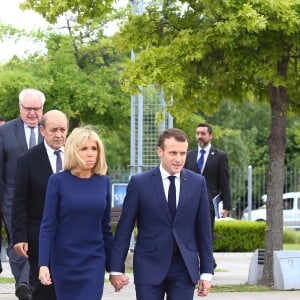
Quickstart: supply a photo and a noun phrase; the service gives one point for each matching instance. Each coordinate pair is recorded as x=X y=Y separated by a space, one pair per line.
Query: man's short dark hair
x=175 y=133
x=209 y=128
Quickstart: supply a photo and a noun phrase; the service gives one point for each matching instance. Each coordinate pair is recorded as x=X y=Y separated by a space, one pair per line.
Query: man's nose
x=178 y=156
x=58 y=134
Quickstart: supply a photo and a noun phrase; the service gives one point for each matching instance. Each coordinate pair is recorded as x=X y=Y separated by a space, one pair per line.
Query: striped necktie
x=201 y=161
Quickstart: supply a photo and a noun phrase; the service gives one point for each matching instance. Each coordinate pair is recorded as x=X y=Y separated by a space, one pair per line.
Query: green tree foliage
x=83 y=10
x=202 y=52
x=80 y=76
x=293 y=143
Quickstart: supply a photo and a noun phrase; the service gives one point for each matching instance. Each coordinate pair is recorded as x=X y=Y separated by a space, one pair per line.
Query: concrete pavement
x=232 y=268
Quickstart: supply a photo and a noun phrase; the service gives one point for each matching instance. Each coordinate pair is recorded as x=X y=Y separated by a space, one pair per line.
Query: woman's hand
x=44 y=276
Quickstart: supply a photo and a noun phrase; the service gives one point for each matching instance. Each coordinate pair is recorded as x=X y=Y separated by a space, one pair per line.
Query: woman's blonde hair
x=74 y=142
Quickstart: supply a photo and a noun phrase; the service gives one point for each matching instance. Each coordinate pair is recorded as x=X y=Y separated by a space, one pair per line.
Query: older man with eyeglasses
x=16 y=137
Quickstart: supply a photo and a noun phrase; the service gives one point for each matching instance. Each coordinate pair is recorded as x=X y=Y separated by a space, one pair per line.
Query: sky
x=11 y=14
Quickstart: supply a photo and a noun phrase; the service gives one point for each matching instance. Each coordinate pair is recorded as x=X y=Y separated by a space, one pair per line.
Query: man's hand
x=203 y=287
x=21 y=249
x=118 y=281
x=224 y=213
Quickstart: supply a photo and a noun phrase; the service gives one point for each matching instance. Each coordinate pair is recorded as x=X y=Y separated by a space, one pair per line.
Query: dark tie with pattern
x=58 y=161
x=32 y=141
x=201 y=161
x=172 y=196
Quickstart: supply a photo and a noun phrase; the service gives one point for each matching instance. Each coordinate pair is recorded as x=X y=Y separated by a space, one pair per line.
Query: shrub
x=291 y=236
x=239 y=236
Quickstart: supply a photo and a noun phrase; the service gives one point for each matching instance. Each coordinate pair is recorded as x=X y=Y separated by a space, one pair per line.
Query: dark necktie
x=32 y=141
x=201 y=161
x=172 y=196
x=58 y=161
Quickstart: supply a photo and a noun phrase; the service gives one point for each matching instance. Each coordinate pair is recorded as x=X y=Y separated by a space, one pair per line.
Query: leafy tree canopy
x=200 y=51
x=84 y=10
x=79 y=74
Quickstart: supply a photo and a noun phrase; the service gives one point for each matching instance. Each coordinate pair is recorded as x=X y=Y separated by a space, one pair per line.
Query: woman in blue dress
x=75 y=234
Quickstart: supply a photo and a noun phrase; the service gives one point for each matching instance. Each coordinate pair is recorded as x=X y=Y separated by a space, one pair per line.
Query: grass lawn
x=291 y=247
x=7 y=280
x=240 y=288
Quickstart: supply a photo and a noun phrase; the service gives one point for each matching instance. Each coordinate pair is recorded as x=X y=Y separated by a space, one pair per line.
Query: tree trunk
x=275 y=180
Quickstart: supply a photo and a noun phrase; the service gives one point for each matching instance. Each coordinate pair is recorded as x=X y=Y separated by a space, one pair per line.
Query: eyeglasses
x=28 y=109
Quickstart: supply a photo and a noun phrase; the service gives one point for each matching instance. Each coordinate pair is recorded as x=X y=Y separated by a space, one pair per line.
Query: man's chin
x=177 y=169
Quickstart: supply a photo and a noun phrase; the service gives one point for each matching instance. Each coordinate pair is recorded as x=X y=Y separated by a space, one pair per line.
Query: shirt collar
x=27 y=126
x=50 y=150
x=165 y=174
x=207 y=149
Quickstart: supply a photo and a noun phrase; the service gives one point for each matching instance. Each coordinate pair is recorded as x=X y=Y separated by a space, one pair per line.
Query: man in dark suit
x=172 y=253
x=33 y=171
x=16 y=137
x=2 y=121
x=214 y=168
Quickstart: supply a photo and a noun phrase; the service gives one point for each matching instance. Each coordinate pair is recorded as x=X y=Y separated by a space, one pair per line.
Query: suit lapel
x=210 y=159
x=44 y=159
x=20 y=135
x=159 y=190
x=194 y=155
x=184 y=190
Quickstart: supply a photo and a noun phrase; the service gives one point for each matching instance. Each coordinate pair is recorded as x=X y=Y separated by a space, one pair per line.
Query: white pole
x=249 y=191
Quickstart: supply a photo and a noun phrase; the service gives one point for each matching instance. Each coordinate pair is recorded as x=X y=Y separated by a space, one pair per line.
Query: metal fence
x=239 y=185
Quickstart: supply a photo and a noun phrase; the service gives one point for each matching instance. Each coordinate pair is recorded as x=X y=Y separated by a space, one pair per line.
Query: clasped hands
x=118 y=281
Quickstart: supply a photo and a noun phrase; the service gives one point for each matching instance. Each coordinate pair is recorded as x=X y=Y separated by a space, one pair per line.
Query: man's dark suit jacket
x=146 y=206
x=12 y=144
x=215 y=172
x=32 y=174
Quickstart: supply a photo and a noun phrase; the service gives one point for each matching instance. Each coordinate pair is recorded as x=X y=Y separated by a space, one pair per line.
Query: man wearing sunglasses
x=16 y=137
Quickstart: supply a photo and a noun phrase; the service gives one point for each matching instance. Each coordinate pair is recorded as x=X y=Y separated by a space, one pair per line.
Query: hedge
x=239 y=236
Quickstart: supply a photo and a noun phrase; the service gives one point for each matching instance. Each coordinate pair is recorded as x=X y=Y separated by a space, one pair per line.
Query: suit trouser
x=177 y=285
x=212 y=217
x=1 y=218
x=19 y=265
x=212 y=220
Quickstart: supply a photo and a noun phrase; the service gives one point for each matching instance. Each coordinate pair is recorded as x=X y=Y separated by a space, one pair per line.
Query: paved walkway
x=232 y=268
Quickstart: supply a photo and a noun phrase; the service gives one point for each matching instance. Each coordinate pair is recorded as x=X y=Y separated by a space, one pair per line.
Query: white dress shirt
x=52 y=156
x=166 y=183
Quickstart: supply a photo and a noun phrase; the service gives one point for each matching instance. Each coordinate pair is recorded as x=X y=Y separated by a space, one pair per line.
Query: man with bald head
x=33 y=171
x=16 y=137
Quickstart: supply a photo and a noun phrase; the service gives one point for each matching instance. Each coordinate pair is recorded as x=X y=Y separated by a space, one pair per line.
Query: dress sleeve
x=106 y=227
x=49 y=221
